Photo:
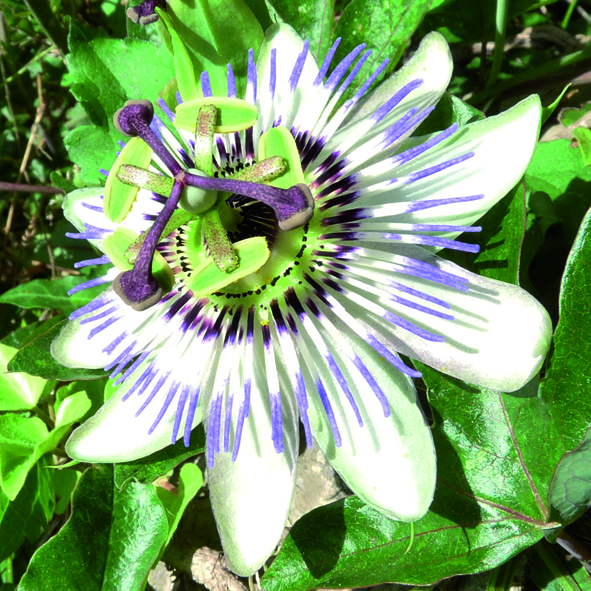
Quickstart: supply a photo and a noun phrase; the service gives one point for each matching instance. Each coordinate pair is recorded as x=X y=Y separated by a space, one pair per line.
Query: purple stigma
x=294 y=207
x=134 y=120
x=137 y=287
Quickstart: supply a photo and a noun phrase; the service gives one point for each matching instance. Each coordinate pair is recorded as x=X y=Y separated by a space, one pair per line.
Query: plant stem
x=569 y=13
x=26 y=66
x=500 y=28
x=29 y=188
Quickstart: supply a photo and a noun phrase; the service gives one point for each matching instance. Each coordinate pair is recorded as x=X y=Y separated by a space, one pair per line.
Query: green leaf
x=489 y=503
x=190 y=481
x=51 y=294
x=217 y=32
x=348 y=544
x=583 y=137
x=23 y=440
x=22 y=443
x=41 y=328
x=148 y=469
x=64 y=481
x=384 y=25
x=501 y=238
x=568 y=372
x=110 y=542
x=28 y=514
x=450 y=109
x=557 y=170
x=72 y=409
x=35 y=358
x=18 y=391
x=312 y=20
x=94 y=390
x=92 y=148
x=58 y=181
x=570 y=493
x=105 y=74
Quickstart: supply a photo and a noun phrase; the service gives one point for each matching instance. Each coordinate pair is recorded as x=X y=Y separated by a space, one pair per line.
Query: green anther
x=116 y=246
x=251 y=253
x=119 y=196
x=144 y=179
x=179 y=218
x=263 y=171
x=232 y=114
x=278 y=141
x=204 y=131
x=218 y=242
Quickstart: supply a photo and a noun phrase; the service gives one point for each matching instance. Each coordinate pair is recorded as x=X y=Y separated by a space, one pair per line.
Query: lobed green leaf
x=29 y=513
x=110 y=542
x=146 y=470
x=51 y=294
x=384 y=25
x=105 y=74
x=312 y=20
x=568 y=380
x=36 y=359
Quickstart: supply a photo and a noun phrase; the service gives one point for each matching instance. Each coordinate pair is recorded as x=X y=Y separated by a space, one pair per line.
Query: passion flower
x=265 y=272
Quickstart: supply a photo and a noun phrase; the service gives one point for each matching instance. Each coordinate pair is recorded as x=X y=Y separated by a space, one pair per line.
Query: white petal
x=80 y=344
x=499 y=335
x=78 y=213
x=179 y=369
x=389 y=462
x=251 y=496
x=288 y=46
x=502 y=145
x=116 y=434
x=431 y=63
